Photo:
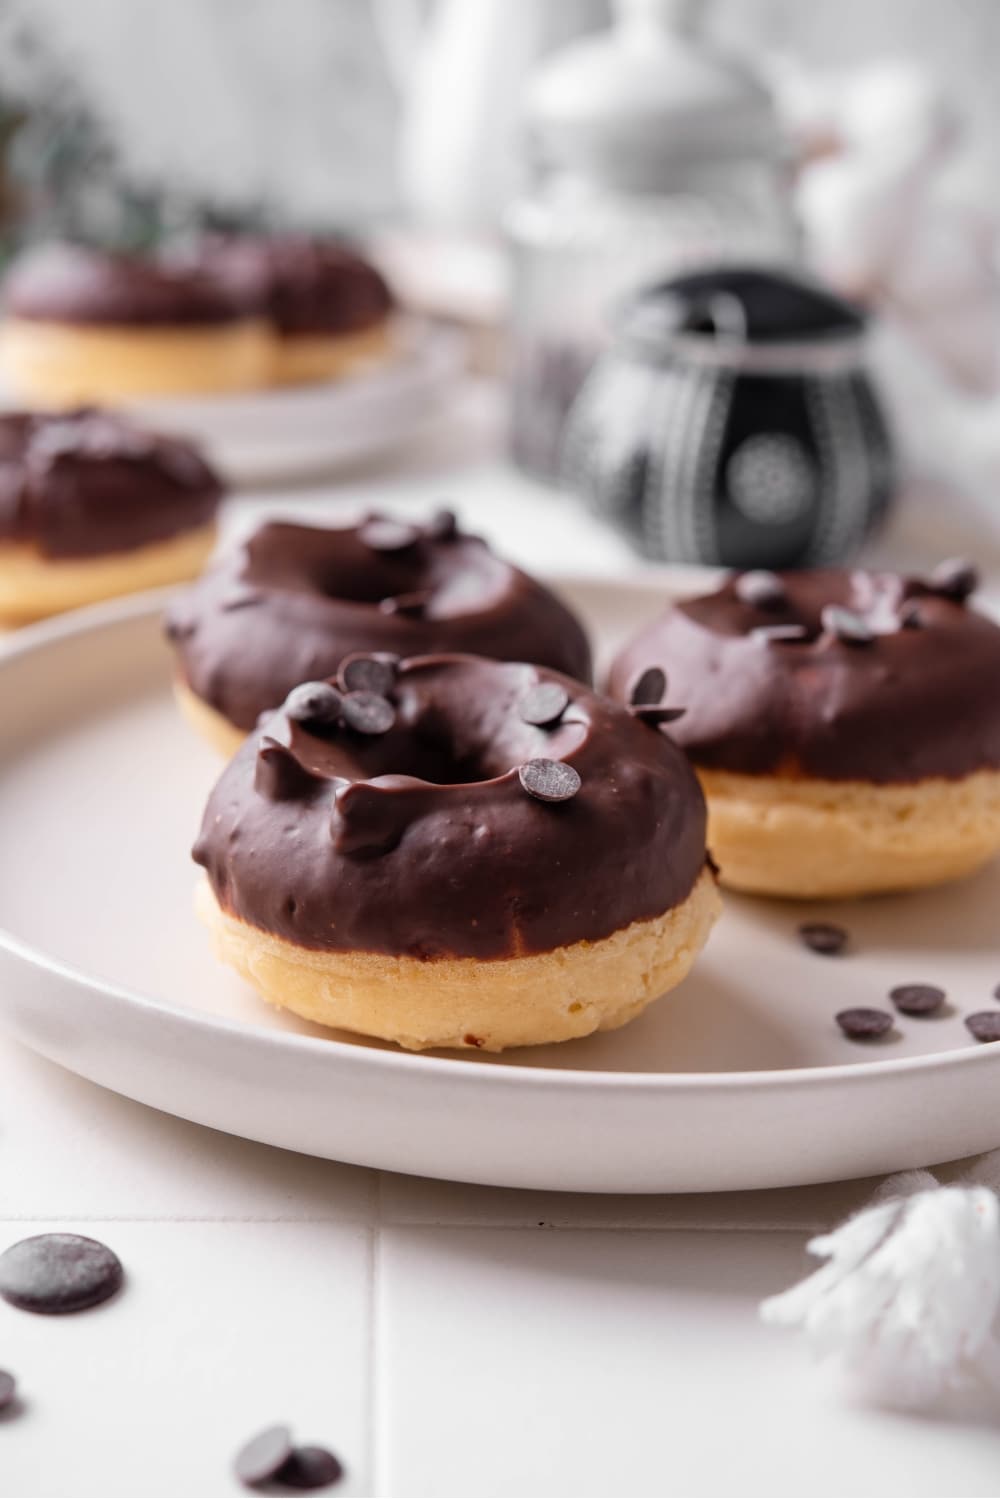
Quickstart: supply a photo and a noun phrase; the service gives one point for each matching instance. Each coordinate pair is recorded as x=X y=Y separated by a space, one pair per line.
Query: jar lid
x=632 y=104
x=741 y=305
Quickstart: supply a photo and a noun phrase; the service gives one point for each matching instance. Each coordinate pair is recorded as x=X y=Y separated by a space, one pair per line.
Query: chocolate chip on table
x=848 y=626
x=656 y=713
x=362 y=673
x=956 y=578
x=549 y=780
x=442 y=526
x=823 y=937
x=314 y=703
x=917 y=999
x=262 y=1458
x=781 y=633
x=8 y=1388
x=984 y=1025
x=864 y=1024
x=762 y=589
x=649 y=687
x=412 y=605
x=544 y=704
x=58 y=1273
x=310 y=1468
x=384 y=535
x=996 y=992
x=368 y=713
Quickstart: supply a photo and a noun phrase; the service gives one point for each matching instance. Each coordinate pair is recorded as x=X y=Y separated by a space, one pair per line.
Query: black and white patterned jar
x=734 y=421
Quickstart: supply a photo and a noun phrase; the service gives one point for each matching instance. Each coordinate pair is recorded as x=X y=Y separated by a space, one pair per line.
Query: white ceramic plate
x=296 y=432
x=738 y=1080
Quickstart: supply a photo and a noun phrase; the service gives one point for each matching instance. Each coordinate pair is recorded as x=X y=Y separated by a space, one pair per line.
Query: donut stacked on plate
x=844 y=725
x=291 y=602
x=84 y=324
x=431 y=846
x=93 y=505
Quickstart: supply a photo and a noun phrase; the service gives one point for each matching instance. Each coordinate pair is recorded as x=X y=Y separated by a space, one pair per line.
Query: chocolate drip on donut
x=424 y=841
x=843 y=675
x=320 y=594
x=90 y=482
x=65 y=283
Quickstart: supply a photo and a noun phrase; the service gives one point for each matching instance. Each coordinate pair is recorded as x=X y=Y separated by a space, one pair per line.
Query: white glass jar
x=656 y=155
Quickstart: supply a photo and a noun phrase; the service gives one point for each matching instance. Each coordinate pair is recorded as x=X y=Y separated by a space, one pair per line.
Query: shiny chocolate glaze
x=422 y=841
x=920 y=698
x=65 y=283
x=303 y=285
x=289 y=603
x=84 y=483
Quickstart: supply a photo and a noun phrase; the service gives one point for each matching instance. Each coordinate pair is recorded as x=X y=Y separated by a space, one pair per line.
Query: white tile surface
x=219 y=1331
x=519 y=1362
x=71 y=1149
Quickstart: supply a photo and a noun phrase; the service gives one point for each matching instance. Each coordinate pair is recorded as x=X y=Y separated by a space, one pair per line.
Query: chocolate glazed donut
x=845 y=725
x=458 y=852
x=289 y=603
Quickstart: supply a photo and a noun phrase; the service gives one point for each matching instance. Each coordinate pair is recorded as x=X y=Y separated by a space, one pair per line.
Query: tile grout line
x=372 y=1412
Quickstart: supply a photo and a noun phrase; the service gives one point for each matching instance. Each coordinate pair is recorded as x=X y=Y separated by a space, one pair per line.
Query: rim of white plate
x=35 y=638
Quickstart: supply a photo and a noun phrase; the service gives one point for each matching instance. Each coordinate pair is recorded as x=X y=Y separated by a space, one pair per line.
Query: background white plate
x=293 y=433
x=738 y=1080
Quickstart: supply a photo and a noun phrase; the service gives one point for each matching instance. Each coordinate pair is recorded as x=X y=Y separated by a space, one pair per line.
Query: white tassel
x=908 y=1299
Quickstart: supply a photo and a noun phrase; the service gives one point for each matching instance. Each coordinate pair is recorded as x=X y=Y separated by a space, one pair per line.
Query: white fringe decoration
x=907 y=1302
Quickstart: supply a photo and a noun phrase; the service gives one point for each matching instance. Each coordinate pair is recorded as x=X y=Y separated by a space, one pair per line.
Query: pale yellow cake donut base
x=467 y=1002
x=207 y=722
x=804 y=837
x=297 y=359
x=65 y=364
x=33 y=586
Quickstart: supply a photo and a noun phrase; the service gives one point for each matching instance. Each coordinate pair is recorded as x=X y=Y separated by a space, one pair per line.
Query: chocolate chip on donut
x=544 y=704
x=329 y=597
x=314 y=703
x=648 y=687
x=368 y=713
x=761 y=589
x=549 y=780
x=956 y=579
x=847 y=625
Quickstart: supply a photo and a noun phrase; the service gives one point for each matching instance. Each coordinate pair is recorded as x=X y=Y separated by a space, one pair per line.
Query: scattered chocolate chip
x=549 y=780
x=917 y=999
x=984 y=1025
x=544 y=704
x=310 y=1468
x=383 y=535
x=314 y=703
x=655 y=713
x=864 y=1024
x=955 y=579
x=911 y=616
x=442 y=526
x=368 y=674
x=58 y=1273
x=780 y=633
x=649 y=687
x=846 y=625
x=8 y=1388
x=760 y=588
x=823 y=937
x=996 y=992
x=412 y=605
x=262 y=1458
x=368 y=713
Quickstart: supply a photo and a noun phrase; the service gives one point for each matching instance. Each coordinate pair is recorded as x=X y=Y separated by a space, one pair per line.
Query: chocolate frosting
x=920 y=699
x=84 y=483
x=289 y=603
x=64 y=283
x=303 y=285
x=422 y=840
